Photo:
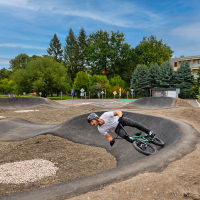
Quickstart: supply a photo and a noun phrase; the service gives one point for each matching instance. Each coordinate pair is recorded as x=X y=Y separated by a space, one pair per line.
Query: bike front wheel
x=157 y=141
x=144 y=147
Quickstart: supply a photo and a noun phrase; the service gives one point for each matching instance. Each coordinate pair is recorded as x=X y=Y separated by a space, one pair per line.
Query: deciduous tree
x=19 y=62
x=150 y=51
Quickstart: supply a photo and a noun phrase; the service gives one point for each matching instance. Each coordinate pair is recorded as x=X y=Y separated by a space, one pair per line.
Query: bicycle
x=142 y=143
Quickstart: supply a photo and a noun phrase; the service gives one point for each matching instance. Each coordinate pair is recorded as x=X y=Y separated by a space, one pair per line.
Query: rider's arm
x=109 y=137
x=119 y=113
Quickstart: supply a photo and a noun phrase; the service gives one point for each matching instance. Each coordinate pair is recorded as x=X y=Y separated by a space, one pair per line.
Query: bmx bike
x=143 y=143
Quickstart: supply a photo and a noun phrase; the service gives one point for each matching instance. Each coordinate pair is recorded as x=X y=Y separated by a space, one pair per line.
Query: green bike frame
x=141 y=138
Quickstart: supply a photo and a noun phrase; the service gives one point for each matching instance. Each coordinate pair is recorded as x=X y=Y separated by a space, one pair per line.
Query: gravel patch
x=26 y=171
x=22 y=111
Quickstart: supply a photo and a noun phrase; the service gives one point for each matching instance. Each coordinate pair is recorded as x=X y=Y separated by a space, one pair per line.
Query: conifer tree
x=184 y=77
x=55 y=50
x=82 y=43
x=153 y=75
x=140 y=79
x=71 y=51
x=166 y=76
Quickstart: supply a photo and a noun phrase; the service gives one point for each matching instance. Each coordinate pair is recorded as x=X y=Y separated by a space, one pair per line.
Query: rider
x=109 y=121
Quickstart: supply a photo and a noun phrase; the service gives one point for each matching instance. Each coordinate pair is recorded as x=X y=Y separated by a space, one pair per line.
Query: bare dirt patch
x=73 y=160
x=182 y=103
x=47 y=115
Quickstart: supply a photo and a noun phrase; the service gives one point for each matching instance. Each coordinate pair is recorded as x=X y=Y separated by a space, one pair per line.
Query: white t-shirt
x=111 y=122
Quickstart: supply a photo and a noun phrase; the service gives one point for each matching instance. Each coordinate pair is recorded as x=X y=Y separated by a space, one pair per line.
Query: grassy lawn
x=64 y=97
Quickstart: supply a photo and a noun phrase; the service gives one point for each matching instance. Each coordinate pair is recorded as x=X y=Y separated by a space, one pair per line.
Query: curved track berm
x=154 y=102
x=18 y=103
x=180 y=139
x=144 y=103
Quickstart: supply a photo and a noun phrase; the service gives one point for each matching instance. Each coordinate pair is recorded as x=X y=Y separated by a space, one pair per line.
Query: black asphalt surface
x=18 y=103
x=154 y=103
x=180 y=139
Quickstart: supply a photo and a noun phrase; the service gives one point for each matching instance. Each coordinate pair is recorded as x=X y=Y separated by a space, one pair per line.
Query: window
x=175 y=64
x=198 y=61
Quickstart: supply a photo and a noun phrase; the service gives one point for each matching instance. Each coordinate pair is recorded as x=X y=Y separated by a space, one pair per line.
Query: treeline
x=101 y=60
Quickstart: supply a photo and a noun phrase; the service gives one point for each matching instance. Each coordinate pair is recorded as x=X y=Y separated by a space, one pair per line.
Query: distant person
x=109 y=121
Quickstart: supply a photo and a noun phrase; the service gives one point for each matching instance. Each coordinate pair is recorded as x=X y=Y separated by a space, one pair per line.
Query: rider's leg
x=119 y=131
x=129 y=122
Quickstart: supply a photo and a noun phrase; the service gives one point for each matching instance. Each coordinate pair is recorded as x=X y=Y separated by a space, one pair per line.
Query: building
x=194 y=62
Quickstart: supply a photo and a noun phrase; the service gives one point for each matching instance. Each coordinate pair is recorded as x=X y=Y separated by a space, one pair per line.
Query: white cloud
x=188 y=31
x=21 y=46
x=19 y=3
x=4 y=61
x=122 y=14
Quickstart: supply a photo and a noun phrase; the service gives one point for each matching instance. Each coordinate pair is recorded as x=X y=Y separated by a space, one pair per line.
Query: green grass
x=64 y=97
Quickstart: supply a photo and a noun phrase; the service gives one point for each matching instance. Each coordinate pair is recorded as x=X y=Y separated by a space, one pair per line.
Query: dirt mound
x=182 y=103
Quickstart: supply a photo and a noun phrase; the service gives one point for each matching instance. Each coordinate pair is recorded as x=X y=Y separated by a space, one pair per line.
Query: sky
x=27 y=26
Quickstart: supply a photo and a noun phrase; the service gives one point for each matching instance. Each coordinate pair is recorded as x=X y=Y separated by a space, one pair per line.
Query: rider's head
x=93 y=119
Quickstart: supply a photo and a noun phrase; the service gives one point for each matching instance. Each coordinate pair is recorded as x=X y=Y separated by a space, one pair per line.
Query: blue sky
x=27 y=26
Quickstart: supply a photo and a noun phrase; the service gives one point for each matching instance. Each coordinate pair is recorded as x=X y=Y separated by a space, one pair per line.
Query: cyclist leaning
x=109 y=121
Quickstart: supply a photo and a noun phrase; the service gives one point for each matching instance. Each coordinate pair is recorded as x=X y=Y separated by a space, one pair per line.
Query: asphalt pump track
x=180 y=139
x=146 y=103
x=19 y=103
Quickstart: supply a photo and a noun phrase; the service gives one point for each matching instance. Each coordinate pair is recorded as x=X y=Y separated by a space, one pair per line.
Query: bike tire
x=145 y=152
x=157 y=141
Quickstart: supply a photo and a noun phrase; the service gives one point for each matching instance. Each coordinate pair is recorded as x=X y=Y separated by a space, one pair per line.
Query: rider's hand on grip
x=112 y=142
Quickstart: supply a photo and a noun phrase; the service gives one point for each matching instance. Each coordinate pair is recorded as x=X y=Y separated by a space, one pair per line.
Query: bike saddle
x=138 y=134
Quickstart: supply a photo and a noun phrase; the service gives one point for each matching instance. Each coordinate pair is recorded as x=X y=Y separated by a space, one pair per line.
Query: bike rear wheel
x=148 y=150
x=157 y=141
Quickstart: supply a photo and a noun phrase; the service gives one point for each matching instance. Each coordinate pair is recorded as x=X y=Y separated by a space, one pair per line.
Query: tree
x=3 y=73
x=71 y=53
x=55 y=48
x=81 y=81
x=153 y=75
x=184 y=77
x=198 y=79
x=101 y=79
x=97 y=51
x=44 y=75
x=6 y=85
x=117 y=81
x=94 y=89
x=152 y=51
x=33 y=57
x=117 y=52
x=166 y=75
x=126 y=62
x=140 y=79
x=19 y=62
x=82 y=44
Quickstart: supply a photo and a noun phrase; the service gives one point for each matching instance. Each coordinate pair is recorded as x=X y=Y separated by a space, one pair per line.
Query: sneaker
x=151 y=134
